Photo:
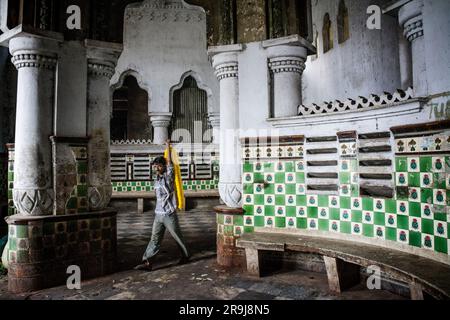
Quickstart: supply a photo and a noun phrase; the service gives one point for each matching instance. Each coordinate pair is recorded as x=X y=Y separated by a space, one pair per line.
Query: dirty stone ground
x=201 y=279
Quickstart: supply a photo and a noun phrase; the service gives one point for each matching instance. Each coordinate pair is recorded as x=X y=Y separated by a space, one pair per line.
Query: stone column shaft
x=230 y=187
x=35 y=60
x=287 y=64
x=160 y=123
x=101 y=64
x=411 y=19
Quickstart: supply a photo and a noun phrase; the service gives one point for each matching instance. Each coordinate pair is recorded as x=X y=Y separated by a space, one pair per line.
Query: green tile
x=82 y=167
x=22 y=256
x=440 y=245
x=82 y=191
x=312 y=212
x=258 y=199
x=48 y=229
x=247 y=188
x=414 y=209
x=269 y=211
x=379 y=218
x=368 y=230
x=344 y=178
x=415 y=239
x=22 y=231
x=426 y=195
x=269 y=189
x=345 y=202
x=259 y=221
x=302 y=223
x=279 y=177
x=290 y=189
x=414 y=179
x=300 y=177
x=401 y=164
x=248 y=209
x=238 y=220
x=391 y=234
x=391 y=206
x=301 y=200
x=356 y=216
x=439 y=181
x=427 y=226
x=367 y=204
x=289 y=166
x=280 y=200
x=323 y=201
x=291 y=212
x=249 y=229
x=269 y=167
x=12 y=243
x=425 y=164
x=248 y=167
x=334 y=214
x=258 y=177
x=280 y=222
x=346 y=227
x=402 y=222
x=324 y=225
x=440 y=216
x=355 y=190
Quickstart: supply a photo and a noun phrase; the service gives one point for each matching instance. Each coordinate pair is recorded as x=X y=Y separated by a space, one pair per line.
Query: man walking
x=165 y=212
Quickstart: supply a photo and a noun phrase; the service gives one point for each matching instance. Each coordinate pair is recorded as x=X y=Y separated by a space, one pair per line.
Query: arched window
x=190 y=111
x=327 y=34
x=343 y=23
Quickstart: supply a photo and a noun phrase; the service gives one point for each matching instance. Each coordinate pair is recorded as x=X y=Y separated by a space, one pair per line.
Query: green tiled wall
x=78 y=201
x=275 y=197
x=11 y=207
x=147 y=186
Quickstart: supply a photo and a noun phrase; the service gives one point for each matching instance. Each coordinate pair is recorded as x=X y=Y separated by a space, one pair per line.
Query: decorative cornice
x=356 y=104
x=227 y=70
x=287 y=64
x=131 y=142
x=100 y=69
x=34 y=60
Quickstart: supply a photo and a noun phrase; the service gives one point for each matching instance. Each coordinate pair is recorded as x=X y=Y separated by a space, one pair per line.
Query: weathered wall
x=366 y=63
x=251 y=16
x=437 y=38
x=160 y=45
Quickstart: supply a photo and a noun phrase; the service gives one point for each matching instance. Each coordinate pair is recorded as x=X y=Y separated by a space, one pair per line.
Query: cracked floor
x=201 y=279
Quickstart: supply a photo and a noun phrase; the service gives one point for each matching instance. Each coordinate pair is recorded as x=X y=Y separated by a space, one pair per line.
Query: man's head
x=159 y=165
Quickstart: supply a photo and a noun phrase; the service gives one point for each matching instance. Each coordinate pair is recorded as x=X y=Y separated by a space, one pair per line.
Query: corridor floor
x=201 y=279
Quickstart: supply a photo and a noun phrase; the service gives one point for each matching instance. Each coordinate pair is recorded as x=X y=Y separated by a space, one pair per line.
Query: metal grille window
x=190 y=110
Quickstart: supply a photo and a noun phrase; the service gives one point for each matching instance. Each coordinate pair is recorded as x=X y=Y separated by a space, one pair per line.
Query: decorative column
x=411 y=19
x=225 y=63
x=35 y=59
x=286 y=63
x=102 y=58
x=160 y=122
x=214 y=119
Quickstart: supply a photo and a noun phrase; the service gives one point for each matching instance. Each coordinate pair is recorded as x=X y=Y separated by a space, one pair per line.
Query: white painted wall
x=436 y=20
x=366 y=63
x=163 y=40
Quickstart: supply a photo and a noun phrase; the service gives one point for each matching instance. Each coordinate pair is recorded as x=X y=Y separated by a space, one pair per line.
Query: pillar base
x=40 y=249
x=228 y=231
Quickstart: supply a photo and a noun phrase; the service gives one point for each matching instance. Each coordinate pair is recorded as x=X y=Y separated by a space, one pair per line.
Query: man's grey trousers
x=161 y=223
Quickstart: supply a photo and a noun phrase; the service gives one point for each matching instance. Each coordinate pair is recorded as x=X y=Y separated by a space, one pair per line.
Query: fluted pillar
x=287 y=64
x=411 y=19
x=225 y=63
x=160 y=122
x=35 y=59
x=102 y=58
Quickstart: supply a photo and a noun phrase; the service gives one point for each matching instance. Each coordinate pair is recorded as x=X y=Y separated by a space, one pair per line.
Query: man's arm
x=169 y=157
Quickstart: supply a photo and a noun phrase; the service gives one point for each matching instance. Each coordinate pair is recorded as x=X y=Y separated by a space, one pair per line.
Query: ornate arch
x=201 y=85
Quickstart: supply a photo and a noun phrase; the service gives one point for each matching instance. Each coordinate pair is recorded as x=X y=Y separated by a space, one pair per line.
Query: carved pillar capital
x=411 y=19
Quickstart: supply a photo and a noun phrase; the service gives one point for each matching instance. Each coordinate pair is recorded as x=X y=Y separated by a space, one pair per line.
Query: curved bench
x=343 y=260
